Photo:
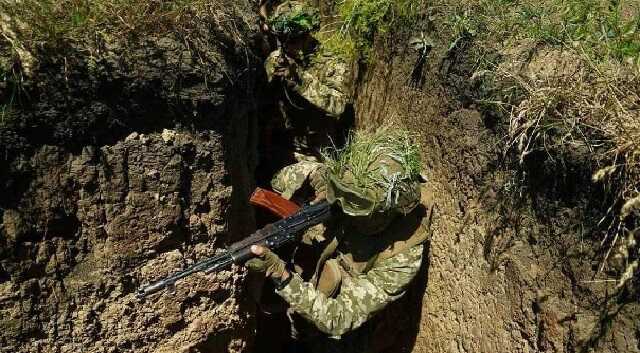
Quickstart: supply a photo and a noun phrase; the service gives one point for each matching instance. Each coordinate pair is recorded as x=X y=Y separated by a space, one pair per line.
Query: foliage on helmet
x=377 y=171
x=294 y=21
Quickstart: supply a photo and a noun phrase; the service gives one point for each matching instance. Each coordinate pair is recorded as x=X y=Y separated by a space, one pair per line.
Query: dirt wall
x=118 y=167
x=511 y=261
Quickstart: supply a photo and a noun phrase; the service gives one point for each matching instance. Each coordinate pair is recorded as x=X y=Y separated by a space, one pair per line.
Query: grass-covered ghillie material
x=382 y=166
x=294 y=20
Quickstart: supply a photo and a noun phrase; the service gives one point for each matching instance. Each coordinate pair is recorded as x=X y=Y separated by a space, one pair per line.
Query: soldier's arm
x=360 y=298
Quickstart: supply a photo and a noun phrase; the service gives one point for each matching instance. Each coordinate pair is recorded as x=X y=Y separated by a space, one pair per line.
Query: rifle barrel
x=273 y=235
x=207 y=265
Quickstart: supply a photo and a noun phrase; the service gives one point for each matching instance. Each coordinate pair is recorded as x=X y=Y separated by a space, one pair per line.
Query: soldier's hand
x=321 y=196
x=267 y=262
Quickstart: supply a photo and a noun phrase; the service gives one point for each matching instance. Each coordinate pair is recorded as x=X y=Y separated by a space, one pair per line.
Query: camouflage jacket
x=374 y=271
x=360 y=297
x=324 y=81
x=291 y=179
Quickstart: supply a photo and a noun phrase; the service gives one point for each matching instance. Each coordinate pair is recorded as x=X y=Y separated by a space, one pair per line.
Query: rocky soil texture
x=126 y=164
x=511 y=262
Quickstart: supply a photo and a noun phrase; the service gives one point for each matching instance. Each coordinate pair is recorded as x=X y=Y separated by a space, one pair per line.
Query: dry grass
x=598 y=111
x=595 y=108
x=52 y=23
x=35 y=31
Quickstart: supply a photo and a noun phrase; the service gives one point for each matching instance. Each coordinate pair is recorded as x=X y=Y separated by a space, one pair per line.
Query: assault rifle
x=275 y=235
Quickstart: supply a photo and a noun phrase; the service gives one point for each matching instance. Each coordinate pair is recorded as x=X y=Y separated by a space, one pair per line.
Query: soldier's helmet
x=377 y=174
x=293 y=19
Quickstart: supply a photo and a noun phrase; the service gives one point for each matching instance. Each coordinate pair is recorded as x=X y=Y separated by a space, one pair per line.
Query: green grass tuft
x=359 y=21
x=365 y=148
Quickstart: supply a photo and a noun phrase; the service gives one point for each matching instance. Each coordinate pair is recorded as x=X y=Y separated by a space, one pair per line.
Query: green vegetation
x=359 y=21
x=565 y=76
x=601 y=28
x=51 y=23
x=298 y=21
x=337 y=44
x=365 y=148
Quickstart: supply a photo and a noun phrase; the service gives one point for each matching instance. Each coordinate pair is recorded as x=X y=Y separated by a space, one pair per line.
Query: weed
x=361 y=20
x=599 y=112
x=365 y=149
x=52 y=23
x=599 y=28
x=337 y=44
x=596 y=109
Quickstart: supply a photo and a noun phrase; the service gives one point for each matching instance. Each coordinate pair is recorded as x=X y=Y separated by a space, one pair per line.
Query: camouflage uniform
x=314 y=91
x=362 y=294
x=324 y=82
x=292 y=179
x=366 y=272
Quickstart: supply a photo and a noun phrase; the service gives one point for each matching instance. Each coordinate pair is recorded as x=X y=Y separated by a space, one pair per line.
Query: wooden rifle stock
x=273 y=202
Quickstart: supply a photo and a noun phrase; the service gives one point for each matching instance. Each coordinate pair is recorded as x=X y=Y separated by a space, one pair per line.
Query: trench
x=506 y=270
x=90 y=210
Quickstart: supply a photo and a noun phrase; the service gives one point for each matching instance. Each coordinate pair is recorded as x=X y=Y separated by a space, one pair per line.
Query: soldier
x=370 y=252
x=313 y=86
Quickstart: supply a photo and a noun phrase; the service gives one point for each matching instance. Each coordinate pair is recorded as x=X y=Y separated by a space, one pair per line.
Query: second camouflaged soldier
x=314 y=85
x=371 y=251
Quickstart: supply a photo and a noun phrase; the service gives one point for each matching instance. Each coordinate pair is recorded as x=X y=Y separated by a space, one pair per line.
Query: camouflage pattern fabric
x=378 y=171
x=290 y=179
x=403 y=197
x=294 y=18
x=272 y=64
x=324 y=82
x=290 y=6
x=360 y=297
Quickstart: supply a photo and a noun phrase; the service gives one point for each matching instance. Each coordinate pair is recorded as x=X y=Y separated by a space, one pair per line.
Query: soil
x=127 y=167
x=124 y=165
x=512 y=259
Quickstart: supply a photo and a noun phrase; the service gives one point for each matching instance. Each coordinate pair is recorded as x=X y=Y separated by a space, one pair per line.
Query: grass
x=595 y=106
x=337 y=44
x=359 y=21
x=55 y=23
x=37 y=33
x=603 y=29
x=11 y=92
x=358 y=160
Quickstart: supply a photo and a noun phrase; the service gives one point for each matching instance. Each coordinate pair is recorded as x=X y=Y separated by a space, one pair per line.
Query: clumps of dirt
x=578 y=121
x=90 y=228
x=513 y=256
x=569 y=125
x=100 y=91
x=121 y=161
